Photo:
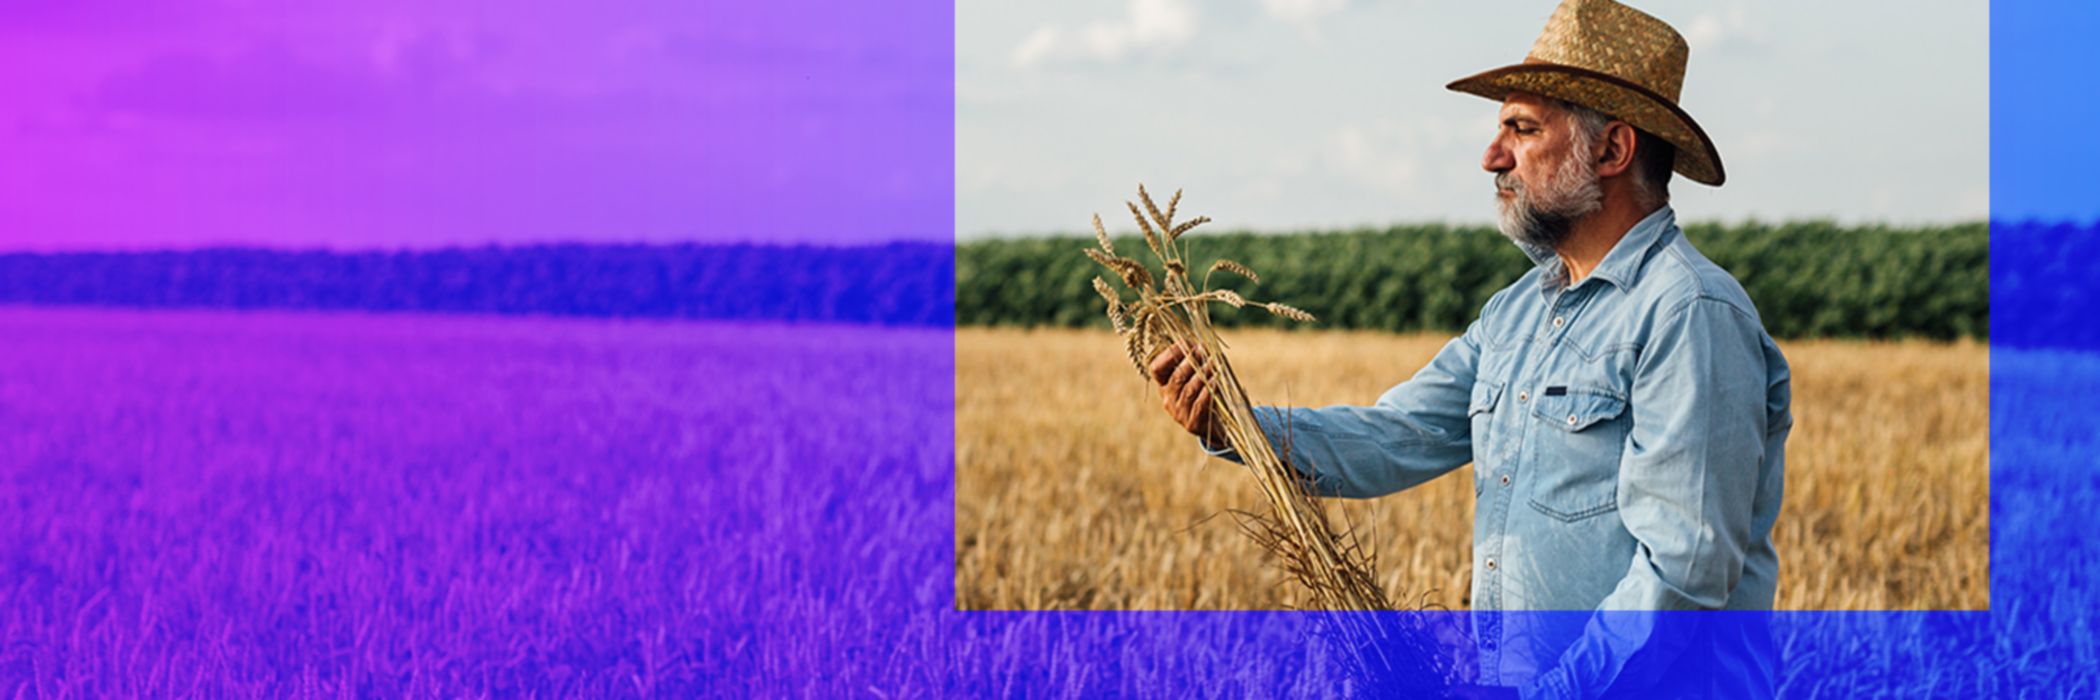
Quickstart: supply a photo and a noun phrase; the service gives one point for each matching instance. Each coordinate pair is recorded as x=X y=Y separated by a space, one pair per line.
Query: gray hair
x=1653 y=157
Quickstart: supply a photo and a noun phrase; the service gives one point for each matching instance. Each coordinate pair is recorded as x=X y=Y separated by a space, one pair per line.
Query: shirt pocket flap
x=1577 y=409
x=1484 y=395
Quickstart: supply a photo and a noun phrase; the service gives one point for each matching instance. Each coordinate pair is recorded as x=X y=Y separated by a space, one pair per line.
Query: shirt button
x=1505 y=479
x=1559 y=321
x=1491 y=564
x=1571 y=419
x=1523 y=396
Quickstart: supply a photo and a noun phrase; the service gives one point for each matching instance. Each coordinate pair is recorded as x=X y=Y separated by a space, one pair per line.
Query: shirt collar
x=1622 y=266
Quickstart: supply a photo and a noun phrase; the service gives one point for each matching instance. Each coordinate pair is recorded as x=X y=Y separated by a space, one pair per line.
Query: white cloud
x=1384 y=156
x=1038 y=46
x=1306 y=14
x=1725 y=30
x=1153 y=25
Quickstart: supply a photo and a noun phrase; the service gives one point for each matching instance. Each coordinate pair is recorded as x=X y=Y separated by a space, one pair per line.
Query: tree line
x=895 y=284
x=2013 y=283
x=1808 y=279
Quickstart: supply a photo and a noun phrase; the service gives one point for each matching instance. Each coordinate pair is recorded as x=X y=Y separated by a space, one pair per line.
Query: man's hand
x=1184 y=390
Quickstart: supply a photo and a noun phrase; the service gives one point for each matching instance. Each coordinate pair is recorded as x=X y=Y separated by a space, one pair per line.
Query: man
x=1625 y=412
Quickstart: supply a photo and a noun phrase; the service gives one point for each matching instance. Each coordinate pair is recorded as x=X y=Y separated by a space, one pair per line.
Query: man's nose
x=1497 y=158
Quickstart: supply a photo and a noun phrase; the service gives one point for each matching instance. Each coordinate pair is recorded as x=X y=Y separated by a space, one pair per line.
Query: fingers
x=1170 y=391
x=1163 y=366
x=1184 y=386
x=1199 y=415
x=1172 y=358
x=1181 y=377
x=1191 y=382
x=1194 y=401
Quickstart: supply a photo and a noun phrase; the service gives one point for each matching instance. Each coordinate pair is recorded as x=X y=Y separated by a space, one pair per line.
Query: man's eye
x=1527 y=130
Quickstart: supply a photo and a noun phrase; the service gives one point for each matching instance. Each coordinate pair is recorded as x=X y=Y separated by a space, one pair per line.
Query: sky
x=1292 y=114
x=2041 y=93
x=133 y=124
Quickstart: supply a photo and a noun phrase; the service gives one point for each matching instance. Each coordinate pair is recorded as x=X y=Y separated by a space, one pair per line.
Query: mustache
x=1508 y=181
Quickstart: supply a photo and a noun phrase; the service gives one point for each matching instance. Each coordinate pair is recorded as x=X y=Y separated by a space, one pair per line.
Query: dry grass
x=1074 y=491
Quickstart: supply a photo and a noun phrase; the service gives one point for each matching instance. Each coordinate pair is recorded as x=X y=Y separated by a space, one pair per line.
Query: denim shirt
x=1627 y=435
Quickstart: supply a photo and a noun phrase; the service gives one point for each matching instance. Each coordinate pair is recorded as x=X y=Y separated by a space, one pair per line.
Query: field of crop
x=219 y=504
x=1073 y=491
x=215 y=504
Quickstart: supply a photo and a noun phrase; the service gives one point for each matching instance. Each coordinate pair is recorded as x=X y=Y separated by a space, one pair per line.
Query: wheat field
x=1074 y=491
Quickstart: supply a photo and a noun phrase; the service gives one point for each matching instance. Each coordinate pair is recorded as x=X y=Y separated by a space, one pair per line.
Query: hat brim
x=1623 y=100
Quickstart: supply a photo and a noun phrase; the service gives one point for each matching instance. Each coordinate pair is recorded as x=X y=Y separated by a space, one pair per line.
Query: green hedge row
x=1809 y=279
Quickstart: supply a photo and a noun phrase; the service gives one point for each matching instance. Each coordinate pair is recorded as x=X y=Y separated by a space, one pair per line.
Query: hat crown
x=1618 y=61
x=1615 y=40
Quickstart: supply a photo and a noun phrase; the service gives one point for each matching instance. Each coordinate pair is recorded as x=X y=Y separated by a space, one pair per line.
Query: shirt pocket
x=1481 y=412
x=1583 y=436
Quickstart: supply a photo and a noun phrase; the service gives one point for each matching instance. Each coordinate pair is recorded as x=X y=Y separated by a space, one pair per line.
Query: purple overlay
x=408 y=124
x=339 y=503
x=908 y=284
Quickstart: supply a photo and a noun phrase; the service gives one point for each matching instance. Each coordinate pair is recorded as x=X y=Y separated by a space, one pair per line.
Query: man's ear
x=1618 y=143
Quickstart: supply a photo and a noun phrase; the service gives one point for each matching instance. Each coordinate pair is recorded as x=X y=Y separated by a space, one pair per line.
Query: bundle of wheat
x=1167 y=310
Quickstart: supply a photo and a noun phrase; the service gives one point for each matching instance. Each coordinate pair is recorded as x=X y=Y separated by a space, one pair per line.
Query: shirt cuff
x=1225 y=452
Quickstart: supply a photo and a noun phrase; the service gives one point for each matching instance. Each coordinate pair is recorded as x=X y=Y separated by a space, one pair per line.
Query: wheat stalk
x=1232 y=267
x=1331 y=565
x=1151 y=239
x=1176 y=231
x=1287 y=311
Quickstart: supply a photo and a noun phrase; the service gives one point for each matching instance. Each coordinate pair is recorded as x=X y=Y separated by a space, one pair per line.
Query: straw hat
x=1616 y=60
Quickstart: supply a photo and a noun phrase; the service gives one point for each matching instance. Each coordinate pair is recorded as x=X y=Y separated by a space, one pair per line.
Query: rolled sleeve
x=1417 y=430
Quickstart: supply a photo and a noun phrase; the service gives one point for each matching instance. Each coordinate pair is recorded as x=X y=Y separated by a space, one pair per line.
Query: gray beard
x=1532 y=228
x=1541 y=221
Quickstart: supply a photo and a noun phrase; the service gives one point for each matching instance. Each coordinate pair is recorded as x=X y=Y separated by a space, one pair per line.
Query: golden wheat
x=1329 y=565
x=1232 y=267
x=1074 y=491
